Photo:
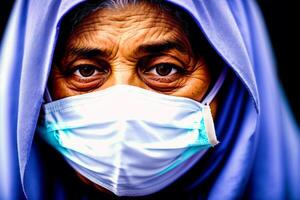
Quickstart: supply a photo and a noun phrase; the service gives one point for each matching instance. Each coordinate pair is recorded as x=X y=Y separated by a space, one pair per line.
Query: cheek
x=197 y=87
x=58 y=85
x=196 y=84
x=214 y=106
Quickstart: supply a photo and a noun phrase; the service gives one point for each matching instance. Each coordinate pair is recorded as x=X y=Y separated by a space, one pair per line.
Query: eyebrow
x=87 y=52
x=149 y=48
x=161 y=47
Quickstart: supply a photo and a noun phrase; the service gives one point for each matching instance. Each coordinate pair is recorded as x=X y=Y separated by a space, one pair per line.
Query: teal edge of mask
x=192 y=149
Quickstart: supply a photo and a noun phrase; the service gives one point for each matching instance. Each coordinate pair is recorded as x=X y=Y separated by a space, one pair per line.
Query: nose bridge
x=124 y=73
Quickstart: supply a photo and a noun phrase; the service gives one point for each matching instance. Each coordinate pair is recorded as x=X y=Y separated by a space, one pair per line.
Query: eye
x=163 y=76
x=86 y=77
x=87 y=71
x=163 y=69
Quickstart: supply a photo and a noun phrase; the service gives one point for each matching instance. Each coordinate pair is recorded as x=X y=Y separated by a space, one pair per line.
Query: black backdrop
x=282 y=21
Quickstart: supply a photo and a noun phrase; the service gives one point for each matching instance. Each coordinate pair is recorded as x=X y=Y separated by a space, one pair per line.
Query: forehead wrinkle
x=90 y=41
x=139 y=24
x=144 y=8
x=161 y=35
x=149 y=32
x=146 y=15
x=123 y=17
x=157 y=28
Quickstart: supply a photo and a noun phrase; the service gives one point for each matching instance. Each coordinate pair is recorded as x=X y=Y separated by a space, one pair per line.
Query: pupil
x=163 y=70
x=86 y=71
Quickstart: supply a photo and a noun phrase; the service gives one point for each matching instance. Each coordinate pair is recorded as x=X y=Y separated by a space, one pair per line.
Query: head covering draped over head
x=258 y=156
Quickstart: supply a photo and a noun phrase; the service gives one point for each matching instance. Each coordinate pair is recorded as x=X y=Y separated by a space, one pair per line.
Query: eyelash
x=71 y=70
x=179 y=70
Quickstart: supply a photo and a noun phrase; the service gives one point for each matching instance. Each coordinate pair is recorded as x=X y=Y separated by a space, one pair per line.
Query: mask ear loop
x=213 y=92
x=207 y=116
x=47 y=96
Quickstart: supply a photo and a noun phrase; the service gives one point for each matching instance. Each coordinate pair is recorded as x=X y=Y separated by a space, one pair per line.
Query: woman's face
x=138 y=45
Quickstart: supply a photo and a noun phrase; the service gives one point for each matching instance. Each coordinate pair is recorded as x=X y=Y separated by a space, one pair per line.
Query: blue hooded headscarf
x=259 y=153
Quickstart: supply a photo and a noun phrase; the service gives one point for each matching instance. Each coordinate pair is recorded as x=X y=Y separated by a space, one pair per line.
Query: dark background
x=283 y=23
x=282 y=20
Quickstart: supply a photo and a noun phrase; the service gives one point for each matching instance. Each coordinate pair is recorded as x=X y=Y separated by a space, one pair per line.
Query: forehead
x=131 y=23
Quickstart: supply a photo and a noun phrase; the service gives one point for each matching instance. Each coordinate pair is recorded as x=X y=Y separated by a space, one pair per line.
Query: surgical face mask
x=128 y=140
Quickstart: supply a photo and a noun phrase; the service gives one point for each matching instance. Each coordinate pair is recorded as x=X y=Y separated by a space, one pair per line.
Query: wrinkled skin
x=138 y=45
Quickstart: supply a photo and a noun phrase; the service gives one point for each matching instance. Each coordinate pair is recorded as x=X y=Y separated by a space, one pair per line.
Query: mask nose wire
x=213 y=92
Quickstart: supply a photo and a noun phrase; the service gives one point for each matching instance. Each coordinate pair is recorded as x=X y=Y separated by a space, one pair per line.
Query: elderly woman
x=143 y=99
